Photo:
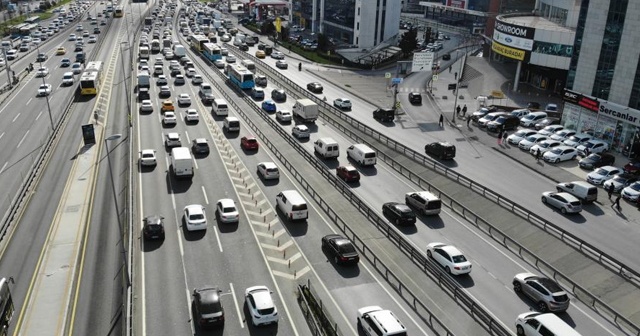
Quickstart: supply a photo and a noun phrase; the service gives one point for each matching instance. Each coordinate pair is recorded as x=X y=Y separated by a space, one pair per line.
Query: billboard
x=581 y=100
x=457 y=3
x=512 y=41
x=509 y=52
x=515 y=30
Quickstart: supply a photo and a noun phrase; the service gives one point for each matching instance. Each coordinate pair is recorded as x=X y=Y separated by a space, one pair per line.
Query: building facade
x=605 y=68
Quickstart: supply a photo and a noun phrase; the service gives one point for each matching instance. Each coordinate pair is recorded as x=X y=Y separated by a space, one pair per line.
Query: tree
x=267 y=28
x=323 y=42
x=409 y=42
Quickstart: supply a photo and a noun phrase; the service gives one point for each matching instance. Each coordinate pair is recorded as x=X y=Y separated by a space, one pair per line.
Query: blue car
x=269 y=106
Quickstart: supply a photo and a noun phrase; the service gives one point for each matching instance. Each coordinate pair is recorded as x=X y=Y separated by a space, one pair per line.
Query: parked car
x=504 y=122
x=340 y=249
x=566 y=202
x=563 y=134
x=551 y=129
x=519 y=135
x=398 y=213
x=632 y=192
x=577 y=139
x=484 y=121
x=544 y=292
x=592 y=146
x=602 y=174
x=633 y=167
x=531 y=140
x=449 y=257
x=597 y=160
x=546 y=122
x=560 y=153
x=544 y=146
x=620 y=182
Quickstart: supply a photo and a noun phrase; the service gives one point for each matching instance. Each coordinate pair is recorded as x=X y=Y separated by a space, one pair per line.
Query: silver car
x=566 y=202
x=546 y=293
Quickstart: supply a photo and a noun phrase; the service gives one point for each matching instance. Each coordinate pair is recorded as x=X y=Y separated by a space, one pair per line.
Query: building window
x=609 y=49
x=634 y=101
x=358 y=11
x=582 y=18
x=358 y=26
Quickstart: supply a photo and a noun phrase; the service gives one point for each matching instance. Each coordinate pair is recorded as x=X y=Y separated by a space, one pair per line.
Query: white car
x=169 y=118
x=227 y=211
x=42 y=72
x=191 y=115
x=594 y=146
x=282 y=64
x=76 y=68
x=544 y=146
x=632 y=192
x=277 y=55
x=551 y=129
x=190 y=72
x=449 y=257
x=196 y=80
x=261 y=306
x=92 y=39
x=342 y=103
x=284 y=115
x=566 y=202
x=560 y=153
x=230 y=59
x=79 y=28
x=520 y=135
x=531 y=140
x=602 y=174
x=577 y=139
x=195 y=217
x=146 y=106
x=225 y=38
x=162 y=80
x=44 y=90
x=563 y=134
x=219 y=64
x=148 y=157
x=184 y=99
x=300 y=131
x=172 y=140
x=72 y=37
x=268 y=170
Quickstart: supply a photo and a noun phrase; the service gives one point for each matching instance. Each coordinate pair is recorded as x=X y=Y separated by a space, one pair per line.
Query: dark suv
x=398 y=213
x=384 y=114
x=207 y=308
x=415 y=98
x=441 y=150
x=505 y=122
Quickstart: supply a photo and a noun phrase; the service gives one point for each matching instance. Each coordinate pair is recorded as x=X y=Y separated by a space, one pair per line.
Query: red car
x=348 y=173
x=249 y=142
x=633 y=167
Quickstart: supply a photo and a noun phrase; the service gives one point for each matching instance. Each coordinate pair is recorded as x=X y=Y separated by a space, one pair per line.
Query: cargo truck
x=144 y=79
x=305 y=110
x=181 y=162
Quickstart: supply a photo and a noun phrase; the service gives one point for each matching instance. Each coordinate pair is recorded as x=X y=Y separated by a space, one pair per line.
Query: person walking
x=617 y=201
x=500 y=136
x=455 y=76
x=505 y=134
x=468 y=121
x=458 y=109
x=538 y=154
x=300 y=66
x=610 y=190
x=464 y=110
x=441 y=121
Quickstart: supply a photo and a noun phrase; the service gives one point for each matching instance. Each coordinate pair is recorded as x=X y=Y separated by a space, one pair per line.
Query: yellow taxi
x=167 y=105
x=61 y=51
x=260 y=54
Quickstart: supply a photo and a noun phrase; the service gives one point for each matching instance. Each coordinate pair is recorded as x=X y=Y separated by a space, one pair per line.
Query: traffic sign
x=397 y=105
x=396 y=80
x=387 y=75
x=422 y=61
x=434 y=78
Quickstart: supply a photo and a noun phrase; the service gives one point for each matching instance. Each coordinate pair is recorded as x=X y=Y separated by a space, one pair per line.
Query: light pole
x=46 y=96
x=6 y=62
x=124 y=78
x=115 y=201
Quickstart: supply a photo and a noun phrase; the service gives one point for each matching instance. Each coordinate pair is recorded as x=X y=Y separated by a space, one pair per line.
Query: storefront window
x=552 y=49
x=571 y=116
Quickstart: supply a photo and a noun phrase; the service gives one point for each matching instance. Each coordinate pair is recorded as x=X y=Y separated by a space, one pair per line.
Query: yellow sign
x=507 y=51
x=397 y=104
x=278 y=24
x=497 y=94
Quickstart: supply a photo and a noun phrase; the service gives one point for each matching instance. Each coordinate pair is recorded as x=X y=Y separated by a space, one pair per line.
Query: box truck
x=306 y=110
x=181 y=162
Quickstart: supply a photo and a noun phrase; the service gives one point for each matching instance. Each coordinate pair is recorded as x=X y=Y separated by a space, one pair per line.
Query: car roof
x=226 y=202
x=450 y=249
x=194 y=208
x=261 y=297
x=269 y=164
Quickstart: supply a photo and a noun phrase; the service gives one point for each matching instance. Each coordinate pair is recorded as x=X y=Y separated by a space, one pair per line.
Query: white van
x=231 y=124
x=584 y=191
x=292 y=205
x=362 y=154
x=538 y=324
x=220 y=107
x=424 y=201
x=327 y=148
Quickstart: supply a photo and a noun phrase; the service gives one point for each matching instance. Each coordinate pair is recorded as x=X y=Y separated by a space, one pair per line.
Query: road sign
x=396 y=80
x=387 y=75
x=397 y=105
x=434 y=78
x=422 y=61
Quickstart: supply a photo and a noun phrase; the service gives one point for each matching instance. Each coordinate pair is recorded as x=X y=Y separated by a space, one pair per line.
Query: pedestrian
x=468 y=121
x=586 y=153
x=455 y=76
x=505 y=134
x=300 y=66
x=500 y=136
x=610 y=190
x=538 y=154
x=616 y=202
x=458 y=109
x=441 y=120
x=464 y=110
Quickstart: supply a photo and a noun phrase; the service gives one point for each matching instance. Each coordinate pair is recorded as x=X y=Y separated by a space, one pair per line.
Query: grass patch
x=308 y=54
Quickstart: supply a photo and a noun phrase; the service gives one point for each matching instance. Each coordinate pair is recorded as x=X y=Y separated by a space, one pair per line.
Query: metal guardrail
x=355 y=131
x=311 y=307
x=440 y=278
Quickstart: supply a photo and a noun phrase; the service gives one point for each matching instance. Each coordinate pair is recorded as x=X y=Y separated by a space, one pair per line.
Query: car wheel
x=542 y=307
x=519 y=331
x=563 y=210
x=447 y=269
x=428 y=253
x=544 y=200
x=557 y=160
x=517 y=287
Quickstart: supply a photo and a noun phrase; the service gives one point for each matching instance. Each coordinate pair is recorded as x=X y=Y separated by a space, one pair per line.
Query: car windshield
x=347 y=248
x=619 y=179
x=531 y=138
x=602 y=171
x=544 y=144
x=594 y=157
x=458 y=259
x=557 y=151
x=589 y=144
x=501 y=119
x=635 y=186
x=228 y=209
x=196 y=216
x=520 y=133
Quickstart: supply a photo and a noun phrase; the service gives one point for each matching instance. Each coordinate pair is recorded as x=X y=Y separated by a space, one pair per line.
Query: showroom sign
x=620 y=112
x=515 y=30
x=512 y=41
x=503 y=50
x=581 y=100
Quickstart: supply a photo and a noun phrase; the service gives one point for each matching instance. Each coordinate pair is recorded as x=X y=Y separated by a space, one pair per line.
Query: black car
x=278 y=95
x=384 y=114
x=261 y=80
x=415 y=98
x=261 y=46
x=78 y=48
x=441 y=150
x=143 y=93
x=505 y=122
x=207 y=308
x=597 y=160
x=533 y=105
x=200 y=146
x=398 y=213
x=446 y=57
x=153 y=227
x=315 y=87
x=341 y=249
x=243 y=47
x=41 y=57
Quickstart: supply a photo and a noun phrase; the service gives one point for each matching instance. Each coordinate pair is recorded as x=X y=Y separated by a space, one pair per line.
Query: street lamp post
x=124 y=78
x=115 y=201
x=46 y=96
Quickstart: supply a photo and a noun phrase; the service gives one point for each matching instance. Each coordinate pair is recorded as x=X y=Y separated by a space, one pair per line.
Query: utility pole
x=6 y=61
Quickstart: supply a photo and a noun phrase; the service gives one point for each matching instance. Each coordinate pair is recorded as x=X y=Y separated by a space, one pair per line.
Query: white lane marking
x=38 y=116
x=235 y=301
x=16 y=117
x=1 y=135
x=204 y=192
x=23 y=137
x=218 y=238
x=4 y=166
x=28 y=101
x=187 y=134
